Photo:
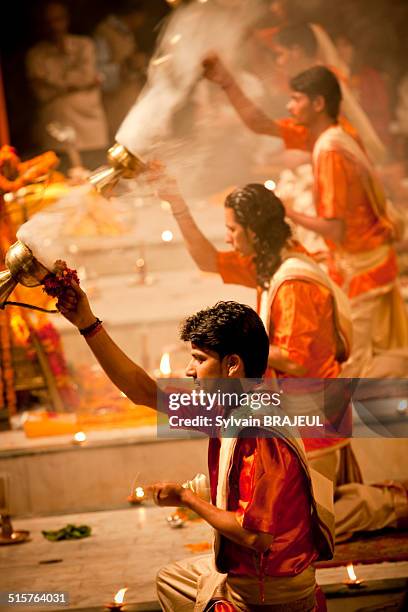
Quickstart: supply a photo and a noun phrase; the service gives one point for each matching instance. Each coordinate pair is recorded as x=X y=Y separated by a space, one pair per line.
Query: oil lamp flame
x=270 y=184
x=79 y=437
x=351 y=573
x=165 y=367
x=353 y=582
x=120 y=596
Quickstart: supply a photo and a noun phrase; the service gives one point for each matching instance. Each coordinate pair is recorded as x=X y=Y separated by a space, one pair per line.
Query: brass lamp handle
x=24 y=305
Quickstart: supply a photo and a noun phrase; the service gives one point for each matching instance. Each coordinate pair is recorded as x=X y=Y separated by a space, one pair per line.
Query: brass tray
x=17 y=537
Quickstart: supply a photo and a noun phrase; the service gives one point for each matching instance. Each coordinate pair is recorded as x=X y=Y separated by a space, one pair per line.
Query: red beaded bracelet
x=91 y=330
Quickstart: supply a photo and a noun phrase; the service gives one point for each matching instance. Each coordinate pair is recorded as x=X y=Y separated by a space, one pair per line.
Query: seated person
x=269 y=526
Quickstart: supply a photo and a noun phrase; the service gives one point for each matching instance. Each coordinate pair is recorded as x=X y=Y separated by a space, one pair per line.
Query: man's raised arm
x=253 y=117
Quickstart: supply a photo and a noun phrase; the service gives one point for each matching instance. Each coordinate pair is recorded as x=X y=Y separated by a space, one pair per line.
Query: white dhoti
x=192 y=584
x=359 y=506
x=380 y=333
x=378 y=314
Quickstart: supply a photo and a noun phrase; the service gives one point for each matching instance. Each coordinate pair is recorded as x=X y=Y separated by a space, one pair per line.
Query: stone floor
x=126 y=548
x=123 y=550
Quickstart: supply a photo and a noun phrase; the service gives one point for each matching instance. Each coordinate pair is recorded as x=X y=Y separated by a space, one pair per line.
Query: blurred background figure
x=120 y=60
x=401 y=114
x=62 y=71
x=368 y=86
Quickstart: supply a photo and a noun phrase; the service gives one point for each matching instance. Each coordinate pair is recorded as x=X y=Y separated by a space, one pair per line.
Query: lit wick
x=137 y=496
x=165 y=367
x=117 y=603
x=270 y=184
x=352 y=582
x=164 y=370
x=79 y=437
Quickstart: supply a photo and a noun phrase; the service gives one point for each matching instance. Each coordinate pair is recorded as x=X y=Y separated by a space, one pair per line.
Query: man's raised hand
x=215 y=71
x=165 y=186
x=74 y=306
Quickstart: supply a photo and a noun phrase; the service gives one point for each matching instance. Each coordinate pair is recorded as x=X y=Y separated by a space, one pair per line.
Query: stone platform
x=127 y=548
x=52 y=475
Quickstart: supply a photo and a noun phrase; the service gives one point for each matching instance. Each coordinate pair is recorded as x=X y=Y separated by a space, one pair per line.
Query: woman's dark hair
x=259 y=209
x=230 y=328
x=319 y=81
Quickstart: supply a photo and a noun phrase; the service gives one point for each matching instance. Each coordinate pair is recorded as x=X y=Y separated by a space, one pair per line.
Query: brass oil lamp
x=22 y=267
x=122 y=164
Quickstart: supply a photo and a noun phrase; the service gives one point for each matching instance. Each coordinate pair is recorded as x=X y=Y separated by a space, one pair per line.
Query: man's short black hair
x=319 y=81
x=300 y=34
x=230 y=328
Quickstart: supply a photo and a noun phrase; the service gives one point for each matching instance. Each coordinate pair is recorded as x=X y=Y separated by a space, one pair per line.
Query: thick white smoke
x=193 y=31
x=181 y=118
x=80 y=212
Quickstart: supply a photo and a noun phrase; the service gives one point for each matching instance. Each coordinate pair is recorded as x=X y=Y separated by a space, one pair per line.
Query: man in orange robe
x=269 y=527
x=308 y=325
x=302 y=46
x=352 y=213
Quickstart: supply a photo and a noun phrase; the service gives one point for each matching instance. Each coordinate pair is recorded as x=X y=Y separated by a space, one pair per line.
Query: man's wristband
x=92 y=329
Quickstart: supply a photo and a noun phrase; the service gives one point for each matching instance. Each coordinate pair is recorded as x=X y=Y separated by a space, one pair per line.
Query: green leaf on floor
x=69 y=532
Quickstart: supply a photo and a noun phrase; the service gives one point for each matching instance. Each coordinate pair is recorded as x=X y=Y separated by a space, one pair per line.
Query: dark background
x=19 y=31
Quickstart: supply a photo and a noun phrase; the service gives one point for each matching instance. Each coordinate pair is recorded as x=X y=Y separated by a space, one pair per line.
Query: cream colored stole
x=350 y=106
x=302 y=267
x=337 y=139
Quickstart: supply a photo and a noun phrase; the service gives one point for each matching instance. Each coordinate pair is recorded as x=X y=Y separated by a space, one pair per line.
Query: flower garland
x=14 y=174
x=59 y=280
x=7 y=391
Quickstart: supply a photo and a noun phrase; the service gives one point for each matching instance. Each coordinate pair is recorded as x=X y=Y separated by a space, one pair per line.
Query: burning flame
x=165 y=367
x=139 y=492
x=270 y=184
x=120 y=596
x=351 y=572
x=80 y=436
